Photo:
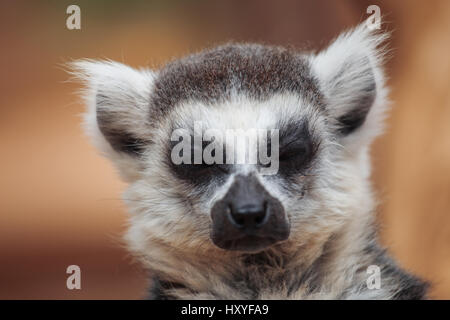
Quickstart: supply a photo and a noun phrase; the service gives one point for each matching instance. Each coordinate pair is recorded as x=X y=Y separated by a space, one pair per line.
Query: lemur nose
x=248 y=216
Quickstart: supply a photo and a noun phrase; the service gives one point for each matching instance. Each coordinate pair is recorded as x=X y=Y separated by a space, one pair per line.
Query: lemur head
x=315 y=114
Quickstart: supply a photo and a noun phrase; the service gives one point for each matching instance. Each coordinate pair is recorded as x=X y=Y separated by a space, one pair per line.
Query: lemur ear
x=351 y=78
x=116 y=119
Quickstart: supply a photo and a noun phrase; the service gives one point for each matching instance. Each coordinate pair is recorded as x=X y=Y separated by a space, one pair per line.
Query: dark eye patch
x=200 y=173
x=297 y=148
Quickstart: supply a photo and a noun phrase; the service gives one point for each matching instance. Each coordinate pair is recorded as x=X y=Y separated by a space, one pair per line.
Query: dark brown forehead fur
x=255 y=70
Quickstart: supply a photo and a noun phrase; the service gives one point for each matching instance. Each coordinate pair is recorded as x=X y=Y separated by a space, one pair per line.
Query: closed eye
x=297 y=156
x=292 y=150
x=297 y=153
x=298 y=147
x=204 y=167
x=197 y=173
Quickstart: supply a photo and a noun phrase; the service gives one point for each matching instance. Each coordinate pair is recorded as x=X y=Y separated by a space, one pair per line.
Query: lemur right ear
x=117 y=116
x=351 y=78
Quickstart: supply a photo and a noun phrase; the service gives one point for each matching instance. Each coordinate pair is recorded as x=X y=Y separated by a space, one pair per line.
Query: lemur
x=226 y=231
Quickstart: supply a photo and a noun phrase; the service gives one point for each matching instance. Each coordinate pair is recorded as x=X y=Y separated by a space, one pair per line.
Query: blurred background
x=60 y=201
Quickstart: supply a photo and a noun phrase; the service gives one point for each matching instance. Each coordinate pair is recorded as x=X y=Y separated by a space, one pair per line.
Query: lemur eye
x=197 y=173
x=210 y=167
x=297 y=148
x=297 y=152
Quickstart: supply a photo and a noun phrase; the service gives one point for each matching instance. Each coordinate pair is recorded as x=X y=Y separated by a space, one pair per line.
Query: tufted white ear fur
x=351 y=77
x=117 y=98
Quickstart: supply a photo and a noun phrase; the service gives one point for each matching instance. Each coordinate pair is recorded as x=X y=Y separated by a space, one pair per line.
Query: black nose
x=248 y=216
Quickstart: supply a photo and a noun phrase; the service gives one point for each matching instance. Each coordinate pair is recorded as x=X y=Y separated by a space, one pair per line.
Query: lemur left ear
x=117 y=98
x=351 y=78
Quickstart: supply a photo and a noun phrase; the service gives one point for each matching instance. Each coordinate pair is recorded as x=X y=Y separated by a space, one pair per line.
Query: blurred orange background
x=60 y=201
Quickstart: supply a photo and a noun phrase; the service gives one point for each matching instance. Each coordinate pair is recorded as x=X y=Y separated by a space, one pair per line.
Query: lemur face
x=248 y=206
x=315 y=116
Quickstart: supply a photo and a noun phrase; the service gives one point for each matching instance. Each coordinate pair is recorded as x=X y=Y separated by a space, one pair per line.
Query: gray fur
x=251 y=69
